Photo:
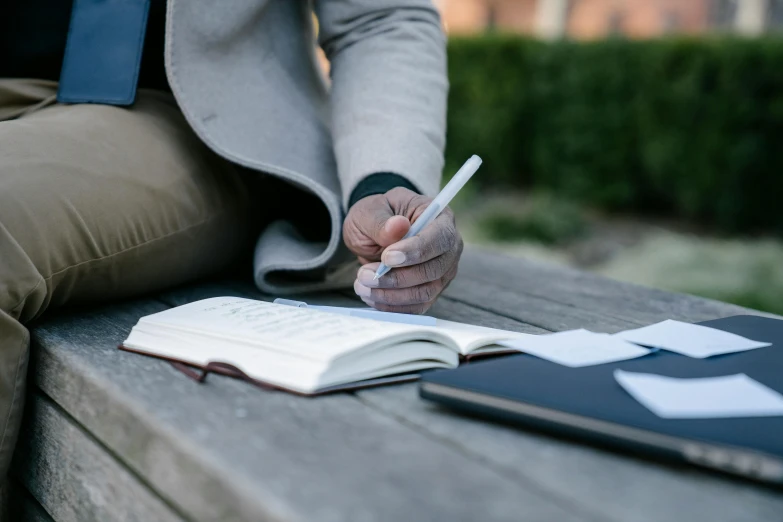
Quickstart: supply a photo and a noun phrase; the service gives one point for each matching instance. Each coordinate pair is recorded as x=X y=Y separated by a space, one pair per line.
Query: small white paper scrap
x=577 y=348
x=703 y=398
x=688 y=339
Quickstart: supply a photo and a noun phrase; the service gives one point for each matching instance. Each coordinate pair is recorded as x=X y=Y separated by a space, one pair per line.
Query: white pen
x=440 y=202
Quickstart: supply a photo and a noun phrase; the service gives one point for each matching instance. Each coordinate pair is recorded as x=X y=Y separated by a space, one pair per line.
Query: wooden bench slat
x=452 y=310
x=557 y=298
x=74 y=478
x=20 y=505
x=610 y=486
x=246 y=288
x=228 y=451
x=591 y=476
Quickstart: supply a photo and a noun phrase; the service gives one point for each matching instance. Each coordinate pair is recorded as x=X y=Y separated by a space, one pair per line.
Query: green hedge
x=692 y=128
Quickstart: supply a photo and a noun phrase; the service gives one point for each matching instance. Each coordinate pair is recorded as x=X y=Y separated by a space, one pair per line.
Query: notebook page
x=370 y=313
x=365 y=312
x=467 y=337
x=470 y=338
x=298 y=332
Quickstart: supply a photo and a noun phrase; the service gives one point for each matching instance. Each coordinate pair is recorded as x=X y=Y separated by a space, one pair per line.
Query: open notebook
x=305 y=350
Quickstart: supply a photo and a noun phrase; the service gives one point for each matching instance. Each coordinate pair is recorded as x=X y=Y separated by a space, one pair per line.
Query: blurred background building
x=588 y=19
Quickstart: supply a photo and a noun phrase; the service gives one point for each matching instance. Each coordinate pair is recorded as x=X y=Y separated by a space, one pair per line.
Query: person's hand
x=422 y=266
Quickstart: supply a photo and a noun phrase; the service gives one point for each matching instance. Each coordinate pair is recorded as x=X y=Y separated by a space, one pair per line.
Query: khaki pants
x=100 y=202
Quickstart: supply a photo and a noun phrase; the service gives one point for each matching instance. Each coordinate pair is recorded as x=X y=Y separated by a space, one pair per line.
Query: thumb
x=371 y=226
x=391 y=231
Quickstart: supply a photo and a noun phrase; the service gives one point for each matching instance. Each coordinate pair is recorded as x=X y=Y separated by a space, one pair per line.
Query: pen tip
x=376 y=277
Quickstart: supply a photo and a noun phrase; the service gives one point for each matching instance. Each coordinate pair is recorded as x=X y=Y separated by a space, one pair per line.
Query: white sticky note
x=577 y=348
x=703 y=398
x=688 y=339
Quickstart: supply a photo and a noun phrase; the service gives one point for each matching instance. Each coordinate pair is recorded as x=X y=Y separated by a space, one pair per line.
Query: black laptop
x=588 y=403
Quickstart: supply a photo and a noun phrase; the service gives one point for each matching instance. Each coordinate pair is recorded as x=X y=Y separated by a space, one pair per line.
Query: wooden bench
x=112 y=436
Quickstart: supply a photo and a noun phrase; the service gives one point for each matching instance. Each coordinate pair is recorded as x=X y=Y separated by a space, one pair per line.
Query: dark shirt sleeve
x=379 y=183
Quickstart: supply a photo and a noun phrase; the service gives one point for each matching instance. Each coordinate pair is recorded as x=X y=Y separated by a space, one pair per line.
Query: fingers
x=436 y=239
x=391 y=230
x=403 y=309
x=424 y=264
x=400 y=296
x=412 y=299
x=371 y=225
x=410 y=276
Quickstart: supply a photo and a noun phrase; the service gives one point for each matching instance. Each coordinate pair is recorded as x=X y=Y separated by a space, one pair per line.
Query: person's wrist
x=379 y=183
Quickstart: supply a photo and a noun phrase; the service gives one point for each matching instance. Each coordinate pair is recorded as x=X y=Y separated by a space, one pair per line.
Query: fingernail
x=361 y=290
x=394 y=258
x=367 y=277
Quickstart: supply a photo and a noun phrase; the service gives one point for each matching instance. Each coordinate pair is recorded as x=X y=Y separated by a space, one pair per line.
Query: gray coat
x=244 y=72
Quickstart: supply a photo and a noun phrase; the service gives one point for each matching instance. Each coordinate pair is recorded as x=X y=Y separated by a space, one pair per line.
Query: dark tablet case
x=589 y=403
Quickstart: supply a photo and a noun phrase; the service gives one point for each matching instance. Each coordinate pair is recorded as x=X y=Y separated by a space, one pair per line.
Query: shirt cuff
x=379 y=183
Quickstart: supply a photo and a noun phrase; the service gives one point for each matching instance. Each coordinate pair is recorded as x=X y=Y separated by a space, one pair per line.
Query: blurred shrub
x=692 y=128
x=542 y=218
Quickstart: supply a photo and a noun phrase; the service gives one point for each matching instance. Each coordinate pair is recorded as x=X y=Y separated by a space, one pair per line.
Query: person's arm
x=389 y=88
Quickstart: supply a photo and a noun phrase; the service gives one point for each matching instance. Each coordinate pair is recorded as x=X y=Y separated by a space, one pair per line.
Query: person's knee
x=22 y=287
